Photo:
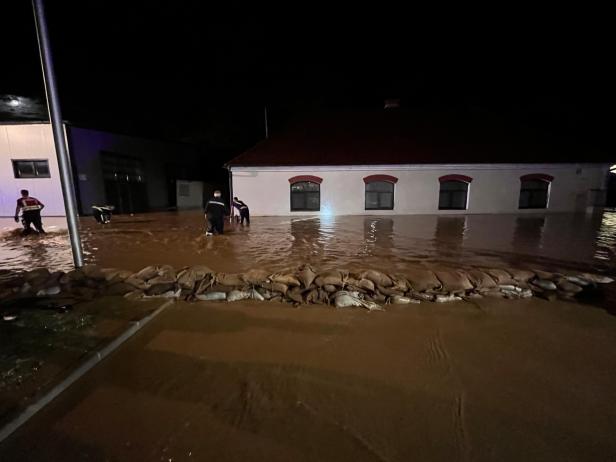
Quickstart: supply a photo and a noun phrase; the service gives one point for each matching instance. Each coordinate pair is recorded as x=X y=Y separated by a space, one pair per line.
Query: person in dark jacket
x=30 y=208
x=243 y=210
x=215 y=211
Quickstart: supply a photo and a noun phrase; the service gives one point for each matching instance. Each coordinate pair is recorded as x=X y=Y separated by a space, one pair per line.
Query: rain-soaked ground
x=131 y=242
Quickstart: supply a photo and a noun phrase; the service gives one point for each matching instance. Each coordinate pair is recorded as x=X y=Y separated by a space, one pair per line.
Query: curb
x=98 y=356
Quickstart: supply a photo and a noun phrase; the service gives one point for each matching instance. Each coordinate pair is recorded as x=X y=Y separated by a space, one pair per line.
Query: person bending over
x=30 y=208
x=243 y=210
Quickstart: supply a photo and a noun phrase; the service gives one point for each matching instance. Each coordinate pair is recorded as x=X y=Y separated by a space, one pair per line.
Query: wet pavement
x=585 y=241
x=501 y=380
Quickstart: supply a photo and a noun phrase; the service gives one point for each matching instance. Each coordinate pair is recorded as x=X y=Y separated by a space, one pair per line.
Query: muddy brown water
x=501 y=381
x=388 y=243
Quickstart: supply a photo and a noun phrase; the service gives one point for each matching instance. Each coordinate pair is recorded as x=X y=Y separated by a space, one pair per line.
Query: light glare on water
x=325 y=241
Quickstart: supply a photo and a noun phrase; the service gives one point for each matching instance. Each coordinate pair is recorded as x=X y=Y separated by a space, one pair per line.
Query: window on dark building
x=379 y=195
x=31 y=168
x=453 y=195
x=534 y=193
x=305 y=196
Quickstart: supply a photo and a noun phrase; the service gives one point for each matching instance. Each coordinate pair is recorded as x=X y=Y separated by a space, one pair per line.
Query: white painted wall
x=29 y=141
x=194 y=199
x=495 y=188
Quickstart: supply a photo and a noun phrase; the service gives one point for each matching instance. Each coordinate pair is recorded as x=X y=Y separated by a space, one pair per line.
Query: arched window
x=453 y=194
x=534 y=191
x=305 y=193
x=380 y=192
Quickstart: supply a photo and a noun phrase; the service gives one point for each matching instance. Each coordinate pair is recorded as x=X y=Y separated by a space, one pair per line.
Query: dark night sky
x=162 y=70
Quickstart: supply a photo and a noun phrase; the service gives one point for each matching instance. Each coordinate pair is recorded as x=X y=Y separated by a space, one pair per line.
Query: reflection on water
x=449 y=236
x=528 y=234
x=276 y=242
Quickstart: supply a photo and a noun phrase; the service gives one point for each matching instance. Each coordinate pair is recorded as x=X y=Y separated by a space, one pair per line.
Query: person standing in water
x=30 y=208
x=243 y=210
x=215 y=211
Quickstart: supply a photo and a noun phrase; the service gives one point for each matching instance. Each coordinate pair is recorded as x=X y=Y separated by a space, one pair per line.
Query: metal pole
x=266 y=127
x=55 y=115
x=231 y=208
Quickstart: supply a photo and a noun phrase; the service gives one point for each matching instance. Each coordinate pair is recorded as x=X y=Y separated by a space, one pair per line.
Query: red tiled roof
x=391 y=137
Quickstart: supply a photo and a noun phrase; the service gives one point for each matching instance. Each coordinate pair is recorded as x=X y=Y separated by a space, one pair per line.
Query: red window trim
x=311 y=178
x=373 y=178
x=537 y=176
x=464 y=178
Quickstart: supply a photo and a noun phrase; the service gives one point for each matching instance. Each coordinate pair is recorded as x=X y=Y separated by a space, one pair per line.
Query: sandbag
x=400 y=282
x=73 y=276
x=276 y=287
x=210 y=296
x=137 y=283
x=164 y=279
x=255 y=276
x=158 y=289
x=52 y=290
x=400 y=300
x=334 y=278
x=544 y=284
x=312 y=296
x=146 y=273
x=521 y=275
x=366 y=284
x=389 y=291
x=295 y=294
x=236 y=295
x=597 y=278
x=422 y=279
x=481 y=279
x=115 y=275
x=567 y=286
x=188 y=277
x=229 y=279
x=500 y=276
x=546 y=275
x=377 y=277
x=37 y=273
x=286 y=279
x=306 y=275
x=454 y=281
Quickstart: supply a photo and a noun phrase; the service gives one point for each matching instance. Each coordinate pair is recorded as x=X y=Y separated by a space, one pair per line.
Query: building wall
x=86 y=146
x=494 y=189
x=189 y=194
x=29 y=141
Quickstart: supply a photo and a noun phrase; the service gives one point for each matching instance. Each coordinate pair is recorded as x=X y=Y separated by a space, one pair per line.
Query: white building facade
x=28 y=161
x=420 y=188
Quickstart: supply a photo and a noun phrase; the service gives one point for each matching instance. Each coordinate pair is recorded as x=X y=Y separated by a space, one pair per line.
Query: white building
x=28 y=161
x=386 y=163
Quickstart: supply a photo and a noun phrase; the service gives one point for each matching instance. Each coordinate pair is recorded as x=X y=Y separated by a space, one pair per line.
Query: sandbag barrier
x=370 y=289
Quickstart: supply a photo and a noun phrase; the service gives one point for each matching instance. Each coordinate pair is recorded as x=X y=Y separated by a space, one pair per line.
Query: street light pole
x=55 y=115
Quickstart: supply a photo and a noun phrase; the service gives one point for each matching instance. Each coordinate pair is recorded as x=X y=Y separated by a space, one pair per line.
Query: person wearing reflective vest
x=30 y=208
x=243 y=210
x=215 y=211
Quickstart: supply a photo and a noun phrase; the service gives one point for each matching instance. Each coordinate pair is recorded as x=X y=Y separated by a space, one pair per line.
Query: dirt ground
x=496 y=380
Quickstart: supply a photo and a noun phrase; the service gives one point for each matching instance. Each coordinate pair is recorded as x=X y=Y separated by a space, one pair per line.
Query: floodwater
x=525 y=380
x=388 y=243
